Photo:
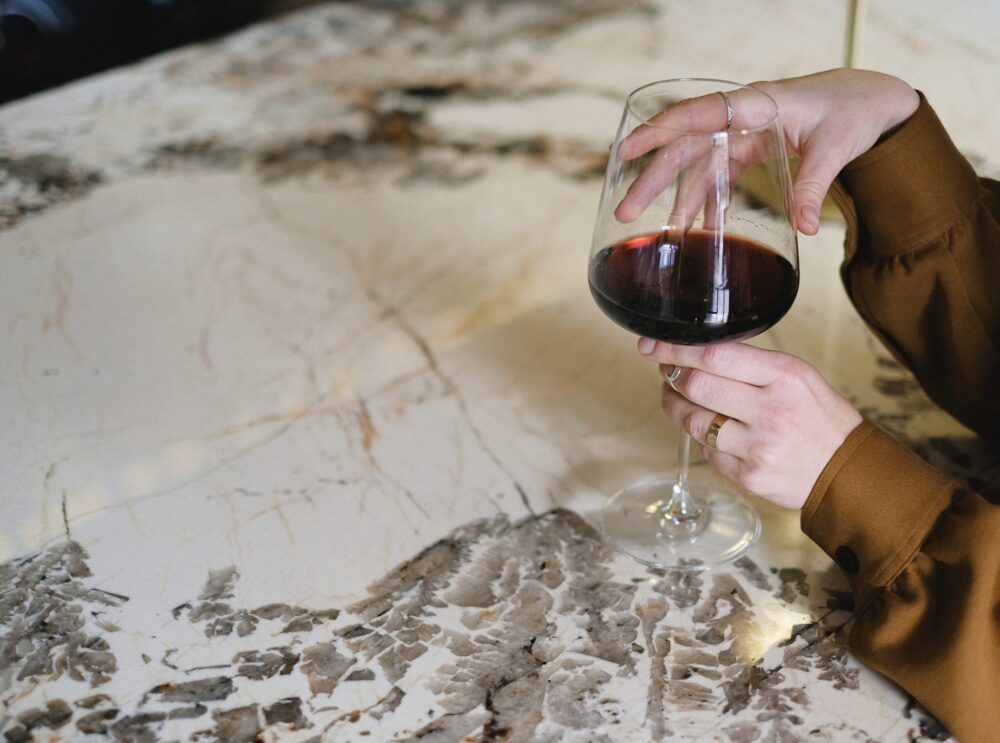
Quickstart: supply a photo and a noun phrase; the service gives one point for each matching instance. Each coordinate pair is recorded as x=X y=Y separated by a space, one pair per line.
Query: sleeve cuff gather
x=911 y=187
x=873 y=506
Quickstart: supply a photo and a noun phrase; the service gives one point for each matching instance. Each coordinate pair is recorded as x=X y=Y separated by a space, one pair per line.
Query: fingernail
x=646 y=346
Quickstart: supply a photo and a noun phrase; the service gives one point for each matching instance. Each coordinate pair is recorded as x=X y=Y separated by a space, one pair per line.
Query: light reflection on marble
x=289 y=310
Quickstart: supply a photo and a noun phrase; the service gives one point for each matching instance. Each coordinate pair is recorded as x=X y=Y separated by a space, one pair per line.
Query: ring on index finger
x=712 y=438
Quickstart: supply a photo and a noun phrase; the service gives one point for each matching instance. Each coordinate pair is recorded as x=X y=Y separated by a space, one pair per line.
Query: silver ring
x=729 y=110
x=673 y=376
x=712 y=439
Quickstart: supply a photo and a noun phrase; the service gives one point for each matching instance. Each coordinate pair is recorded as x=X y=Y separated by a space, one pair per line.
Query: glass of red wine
x=694 y=244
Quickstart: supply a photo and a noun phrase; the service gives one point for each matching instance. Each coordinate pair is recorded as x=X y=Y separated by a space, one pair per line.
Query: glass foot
x=634 y=524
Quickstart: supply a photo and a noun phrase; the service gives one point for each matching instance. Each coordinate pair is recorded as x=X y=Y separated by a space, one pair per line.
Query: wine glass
x=694 y=244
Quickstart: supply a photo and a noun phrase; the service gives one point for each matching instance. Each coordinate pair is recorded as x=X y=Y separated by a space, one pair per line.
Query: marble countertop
x=308 y=412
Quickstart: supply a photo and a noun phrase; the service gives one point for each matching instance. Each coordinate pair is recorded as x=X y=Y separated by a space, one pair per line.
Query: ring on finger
x=712 y=438
x=673 y=376
x=729 y=110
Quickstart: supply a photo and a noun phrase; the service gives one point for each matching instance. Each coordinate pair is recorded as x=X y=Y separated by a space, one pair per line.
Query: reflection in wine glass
x=694 y=244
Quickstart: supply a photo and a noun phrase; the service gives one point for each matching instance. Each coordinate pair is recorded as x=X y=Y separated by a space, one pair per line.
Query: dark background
x=44 y=43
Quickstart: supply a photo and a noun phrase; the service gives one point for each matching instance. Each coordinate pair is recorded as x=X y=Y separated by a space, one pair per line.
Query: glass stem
x=681 y=508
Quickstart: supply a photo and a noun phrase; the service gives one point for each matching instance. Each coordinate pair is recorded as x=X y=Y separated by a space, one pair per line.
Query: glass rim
x=635 y=94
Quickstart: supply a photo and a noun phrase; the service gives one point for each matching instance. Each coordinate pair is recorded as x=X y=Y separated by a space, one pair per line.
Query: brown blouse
x=922 y=554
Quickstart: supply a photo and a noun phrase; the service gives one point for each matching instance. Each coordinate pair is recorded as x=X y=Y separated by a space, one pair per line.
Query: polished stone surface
x=308 y=411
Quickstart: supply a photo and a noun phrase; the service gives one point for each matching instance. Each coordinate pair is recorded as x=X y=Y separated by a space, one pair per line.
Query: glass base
x=634 y=524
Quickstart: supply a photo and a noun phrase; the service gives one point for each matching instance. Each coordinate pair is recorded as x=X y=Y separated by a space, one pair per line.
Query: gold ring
x=712 y=439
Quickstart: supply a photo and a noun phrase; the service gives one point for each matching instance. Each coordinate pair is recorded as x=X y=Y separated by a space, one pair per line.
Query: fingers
x=645 y=138
x=735 y=361
x=657 y=176
x=722 y=395
x=702 y=115
x=697 y=167
x=733 y=437
x=700 y=190
x=819 y=165
x=675 y=139
x=705 y=114
x=780 y=433
x=727 y=465
x=688 y=163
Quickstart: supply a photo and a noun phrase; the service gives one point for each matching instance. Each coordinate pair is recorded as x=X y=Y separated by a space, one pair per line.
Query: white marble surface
x=293 y=306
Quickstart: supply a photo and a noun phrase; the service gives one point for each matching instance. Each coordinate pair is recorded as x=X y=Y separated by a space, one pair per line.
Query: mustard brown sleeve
x=922 y=554
x=923 y=558
x=922 y=264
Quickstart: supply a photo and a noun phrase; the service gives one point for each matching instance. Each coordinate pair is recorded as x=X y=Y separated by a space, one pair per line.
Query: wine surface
x=684 y=288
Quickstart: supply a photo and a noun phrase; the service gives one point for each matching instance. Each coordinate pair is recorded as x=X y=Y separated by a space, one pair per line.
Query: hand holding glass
x=694 y=244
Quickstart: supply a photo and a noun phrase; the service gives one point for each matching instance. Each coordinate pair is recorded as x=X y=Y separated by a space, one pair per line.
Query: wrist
x=902 y=103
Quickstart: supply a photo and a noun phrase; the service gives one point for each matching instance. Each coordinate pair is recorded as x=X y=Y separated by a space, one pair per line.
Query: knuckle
x=715 y=355
x=691 y=423
x=696 y=384
x=753 y=478
x=761 y=456
x=720 y=462
x=754 y=456
x=789 y=366
x=811 y=377
x=777 y=421
x=797 y=371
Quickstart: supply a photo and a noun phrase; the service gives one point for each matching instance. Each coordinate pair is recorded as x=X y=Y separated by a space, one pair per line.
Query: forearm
x=922 y=261
x=922 y=557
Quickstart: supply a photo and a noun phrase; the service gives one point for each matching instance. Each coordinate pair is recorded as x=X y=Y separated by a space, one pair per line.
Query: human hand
x=828 y=119
x=786 y=421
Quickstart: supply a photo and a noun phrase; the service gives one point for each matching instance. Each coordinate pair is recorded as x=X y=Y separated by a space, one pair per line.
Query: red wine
x=683 y=288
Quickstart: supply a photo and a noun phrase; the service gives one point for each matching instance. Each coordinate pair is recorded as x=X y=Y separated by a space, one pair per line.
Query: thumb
x=817 y=169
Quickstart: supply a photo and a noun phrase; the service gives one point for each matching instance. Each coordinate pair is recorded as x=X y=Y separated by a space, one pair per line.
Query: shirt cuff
x=872 y=507
x=910 y=187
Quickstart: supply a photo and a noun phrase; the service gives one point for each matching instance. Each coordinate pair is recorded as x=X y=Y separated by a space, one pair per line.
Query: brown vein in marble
x=450 y=387
x=368 y=435
x=288 y=421
x=487 y=308
x=368 y=430
x=62 y=283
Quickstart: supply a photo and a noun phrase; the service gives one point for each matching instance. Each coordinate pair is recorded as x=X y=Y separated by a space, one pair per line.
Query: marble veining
x=308 y=412
x=520 y=631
